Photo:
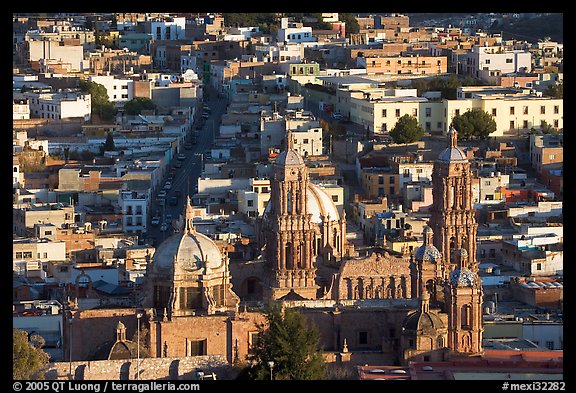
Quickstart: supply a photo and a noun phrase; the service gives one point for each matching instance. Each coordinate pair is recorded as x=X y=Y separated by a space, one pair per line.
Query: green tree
x=99 y=98
x=291 y=343
x=108 y=143
x=406 y=130
x=476 y=124
x=554 y=91
x=136 y=105
x=352 y=26
x=29 y=361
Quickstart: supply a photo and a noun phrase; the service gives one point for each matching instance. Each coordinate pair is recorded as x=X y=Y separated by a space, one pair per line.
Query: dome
x=189 y=250
x=452 y=154
x=428 y=253
x=427 y=322
x=462 y=278
x=318 y=203
x=289 y=158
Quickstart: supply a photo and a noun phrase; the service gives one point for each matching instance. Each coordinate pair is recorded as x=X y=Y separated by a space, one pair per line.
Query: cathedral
x=383 y=307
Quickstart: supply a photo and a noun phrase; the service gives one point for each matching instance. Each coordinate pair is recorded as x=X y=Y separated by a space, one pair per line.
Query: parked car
x=164 y=227
x=168 y=185
x=162 y=194
x=155 y=221
x=181 y=156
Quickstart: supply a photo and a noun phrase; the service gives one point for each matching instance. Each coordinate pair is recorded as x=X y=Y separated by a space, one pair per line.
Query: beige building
x=515 y=111
x=404 y=65
x=24 y=218
x=252 y=202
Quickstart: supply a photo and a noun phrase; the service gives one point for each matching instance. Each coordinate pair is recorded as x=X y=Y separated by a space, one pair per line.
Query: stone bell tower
x=289 y=232
x=454 y=226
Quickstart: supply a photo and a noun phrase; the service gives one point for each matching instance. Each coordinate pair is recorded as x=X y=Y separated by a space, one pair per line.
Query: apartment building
x=484 y=60
x=546 y=152
x=65 y=105
x=70 y=54
x=294 y=32
x=20 y=109
x=24 y=218
x=404 y=65
x=135 y=209
x=252 y=201
x=120 y=90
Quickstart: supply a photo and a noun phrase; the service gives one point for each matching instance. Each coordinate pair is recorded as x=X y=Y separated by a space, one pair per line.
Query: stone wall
x=150 y=369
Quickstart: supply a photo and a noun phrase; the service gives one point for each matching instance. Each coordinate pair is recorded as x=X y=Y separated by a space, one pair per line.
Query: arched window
x=289 y=261
x=440 y=342
x=466 y=316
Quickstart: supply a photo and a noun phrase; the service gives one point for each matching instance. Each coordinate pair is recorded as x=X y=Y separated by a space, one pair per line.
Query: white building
x=119 y=90
x=252 y=201
x=294 y=32
x=20 y=109
x=168 y=29
x=497 y=59
x=134 y=205
x=64 y=105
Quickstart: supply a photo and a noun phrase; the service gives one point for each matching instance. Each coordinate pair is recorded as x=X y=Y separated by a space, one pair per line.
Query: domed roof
x=452 y=153
x=189 y=250
x=423 y=320
x=428 y=253
x=289 y=158
x=462 y=278
x=318 y=203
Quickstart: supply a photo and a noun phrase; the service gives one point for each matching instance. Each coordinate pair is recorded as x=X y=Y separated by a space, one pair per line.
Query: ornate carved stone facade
x=378 y=276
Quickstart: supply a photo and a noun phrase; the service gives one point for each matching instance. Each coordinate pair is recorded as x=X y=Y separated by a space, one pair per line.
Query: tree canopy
x=99 y=98
x=554 y=91
x=291 y=343
x=476 y=124
x=406 y=130
x=29 y=361
x=136 y=105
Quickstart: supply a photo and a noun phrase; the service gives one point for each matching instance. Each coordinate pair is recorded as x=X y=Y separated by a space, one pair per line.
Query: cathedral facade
x=400 y=307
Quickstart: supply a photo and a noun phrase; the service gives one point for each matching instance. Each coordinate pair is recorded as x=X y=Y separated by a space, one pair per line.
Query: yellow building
x=514 y=110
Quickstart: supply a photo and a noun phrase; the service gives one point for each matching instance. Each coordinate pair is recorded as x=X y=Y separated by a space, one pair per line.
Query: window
x=384 y=127
x=19 y=255
x=550 y=344
x=556 y=123
x=335 y=198
x=511 y=110
x=538 y=266
x=509 y=61
x=265 y=190
x=525 y=110
x=525 y=124
x=556 y=109
x=384 y=112
x=392 y=191
x=397 y=112
x=493 y=111
x=457 y=112
x=196 y=347
x=391 y=179
x=511 y=124
x=487 y=61
x=542 y=110
x=380 y=179
x=362 y=338
x=27 y=254
x=414 y=112
x=428 y=112
x=428 y=126
x=305 y=141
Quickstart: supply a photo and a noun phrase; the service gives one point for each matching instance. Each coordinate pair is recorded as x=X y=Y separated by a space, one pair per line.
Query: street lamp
x=271 y=365
x=138 y=316
x=70 y=376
